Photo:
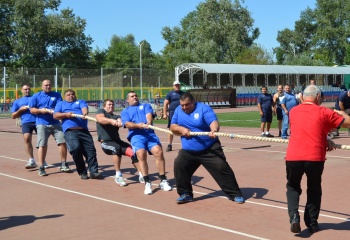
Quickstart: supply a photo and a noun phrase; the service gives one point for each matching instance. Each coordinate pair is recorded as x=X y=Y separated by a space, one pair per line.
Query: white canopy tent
x=238 y=74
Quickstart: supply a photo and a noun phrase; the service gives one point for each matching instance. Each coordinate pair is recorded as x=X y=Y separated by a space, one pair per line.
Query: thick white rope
x=219 y=134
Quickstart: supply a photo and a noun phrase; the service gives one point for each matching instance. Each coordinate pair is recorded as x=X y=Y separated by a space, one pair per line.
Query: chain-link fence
x=89 y=84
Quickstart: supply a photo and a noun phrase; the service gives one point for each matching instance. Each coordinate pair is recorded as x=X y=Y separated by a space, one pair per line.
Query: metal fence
x=89 y=84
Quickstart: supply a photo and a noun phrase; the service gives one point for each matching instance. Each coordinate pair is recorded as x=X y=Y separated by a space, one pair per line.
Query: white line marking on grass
x=139 y=208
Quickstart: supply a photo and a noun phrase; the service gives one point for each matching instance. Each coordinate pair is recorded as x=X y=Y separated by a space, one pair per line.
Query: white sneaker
x=120 y=181
x=148 y=188
x=141 y=180
x=164 y=185
x=45 y=165
x=30 y=164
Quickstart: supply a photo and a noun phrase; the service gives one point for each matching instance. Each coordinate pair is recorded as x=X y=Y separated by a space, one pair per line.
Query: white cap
x=176 y=82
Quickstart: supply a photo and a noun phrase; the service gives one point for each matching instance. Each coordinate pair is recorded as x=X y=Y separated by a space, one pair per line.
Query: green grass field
x=240 y=119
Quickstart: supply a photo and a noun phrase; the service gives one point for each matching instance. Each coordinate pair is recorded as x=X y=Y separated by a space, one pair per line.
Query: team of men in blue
x=66 y=120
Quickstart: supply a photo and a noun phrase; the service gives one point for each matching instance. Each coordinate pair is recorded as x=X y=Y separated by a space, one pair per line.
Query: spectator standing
x=265 y=106
x=343 y=104
x=171 y=102
x=288 y=102
x=277 y=98
x=20 y=109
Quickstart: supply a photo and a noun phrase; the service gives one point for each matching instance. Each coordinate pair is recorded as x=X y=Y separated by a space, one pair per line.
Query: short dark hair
x=106 y=101
x=186 y=95
x=69 y=90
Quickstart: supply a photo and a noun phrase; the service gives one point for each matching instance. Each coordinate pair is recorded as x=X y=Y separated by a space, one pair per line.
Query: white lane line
x=252 y=202
x=140 y=208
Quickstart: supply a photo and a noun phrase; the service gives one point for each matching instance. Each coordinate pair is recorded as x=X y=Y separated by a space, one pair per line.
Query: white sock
x=140 y=174
x=267 y=133
x=31 y=160
x=118 y=174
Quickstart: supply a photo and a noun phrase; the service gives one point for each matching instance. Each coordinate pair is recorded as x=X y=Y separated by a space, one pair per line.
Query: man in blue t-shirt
x=79 y=140
x=288 y=102
x=20 y=109
x=171 y=102
x=136 y=118
x=42 y=105
x=265 y=106
x=343 y=104
x=200 y=150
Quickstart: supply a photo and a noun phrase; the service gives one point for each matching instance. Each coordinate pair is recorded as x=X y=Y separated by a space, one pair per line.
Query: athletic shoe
x=84 y=176
x=31 y=164
x=65 y=168
x=141 y=180
x=45 y=165
x=164 y=185
x=148 y=188
x=269 y=135
x=239 y=199
x=263 y=135
x=95 y=175
x=313 y=229
x=295 y=224
x=120 y=181
x=42 y=172
x=184 y=198
x=169 y=148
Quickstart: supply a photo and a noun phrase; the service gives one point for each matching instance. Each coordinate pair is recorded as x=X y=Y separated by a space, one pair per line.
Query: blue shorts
x=29 y=127
x=146 y=141
x=267 y=115
x=279 y=113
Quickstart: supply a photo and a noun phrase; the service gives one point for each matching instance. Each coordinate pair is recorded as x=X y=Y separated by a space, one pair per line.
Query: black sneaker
x=169 y=148
x=84 y=176
x=42 y=172
x=95 y=175
x=279 y=134
x=295 y=224
x=269 y=135
x=263 y=135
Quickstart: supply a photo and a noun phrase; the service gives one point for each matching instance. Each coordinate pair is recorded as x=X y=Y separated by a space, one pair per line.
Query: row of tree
x=35 y=34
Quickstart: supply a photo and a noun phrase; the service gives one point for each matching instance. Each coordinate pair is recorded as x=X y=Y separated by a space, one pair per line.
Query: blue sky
x=146 y=18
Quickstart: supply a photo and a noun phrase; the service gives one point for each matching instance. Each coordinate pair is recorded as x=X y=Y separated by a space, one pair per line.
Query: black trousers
x=295 y=171
x=214 y=161
x=80 y=144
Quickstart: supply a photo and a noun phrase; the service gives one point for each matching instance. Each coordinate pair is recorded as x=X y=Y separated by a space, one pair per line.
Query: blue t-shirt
x=289 y=100
x=197 y=121
x=343 y=97
x=76 y=108
x=26 y=116
x=265 y=100
x=174 y=99
x=45 y=100
x=137 y=114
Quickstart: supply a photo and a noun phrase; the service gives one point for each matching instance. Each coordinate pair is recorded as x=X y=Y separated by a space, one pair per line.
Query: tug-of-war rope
x=219 y=134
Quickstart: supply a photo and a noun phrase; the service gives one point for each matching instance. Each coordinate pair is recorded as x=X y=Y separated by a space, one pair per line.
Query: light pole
x=140 y=43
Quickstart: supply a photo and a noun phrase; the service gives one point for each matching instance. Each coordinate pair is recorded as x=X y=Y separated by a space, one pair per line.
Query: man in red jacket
x=309 y=157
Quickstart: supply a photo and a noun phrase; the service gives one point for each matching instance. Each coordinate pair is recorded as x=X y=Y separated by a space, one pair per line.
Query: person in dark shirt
x=171 y=102
x=265 y=106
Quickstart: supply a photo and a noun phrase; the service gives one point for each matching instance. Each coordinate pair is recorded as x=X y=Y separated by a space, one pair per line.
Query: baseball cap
x=176 y=82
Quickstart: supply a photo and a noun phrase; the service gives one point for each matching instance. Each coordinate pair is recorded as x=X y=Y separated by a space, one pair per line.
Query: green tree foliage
x=255 y=54
x=218 y=31
x=321 y=34
x=33 y=34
